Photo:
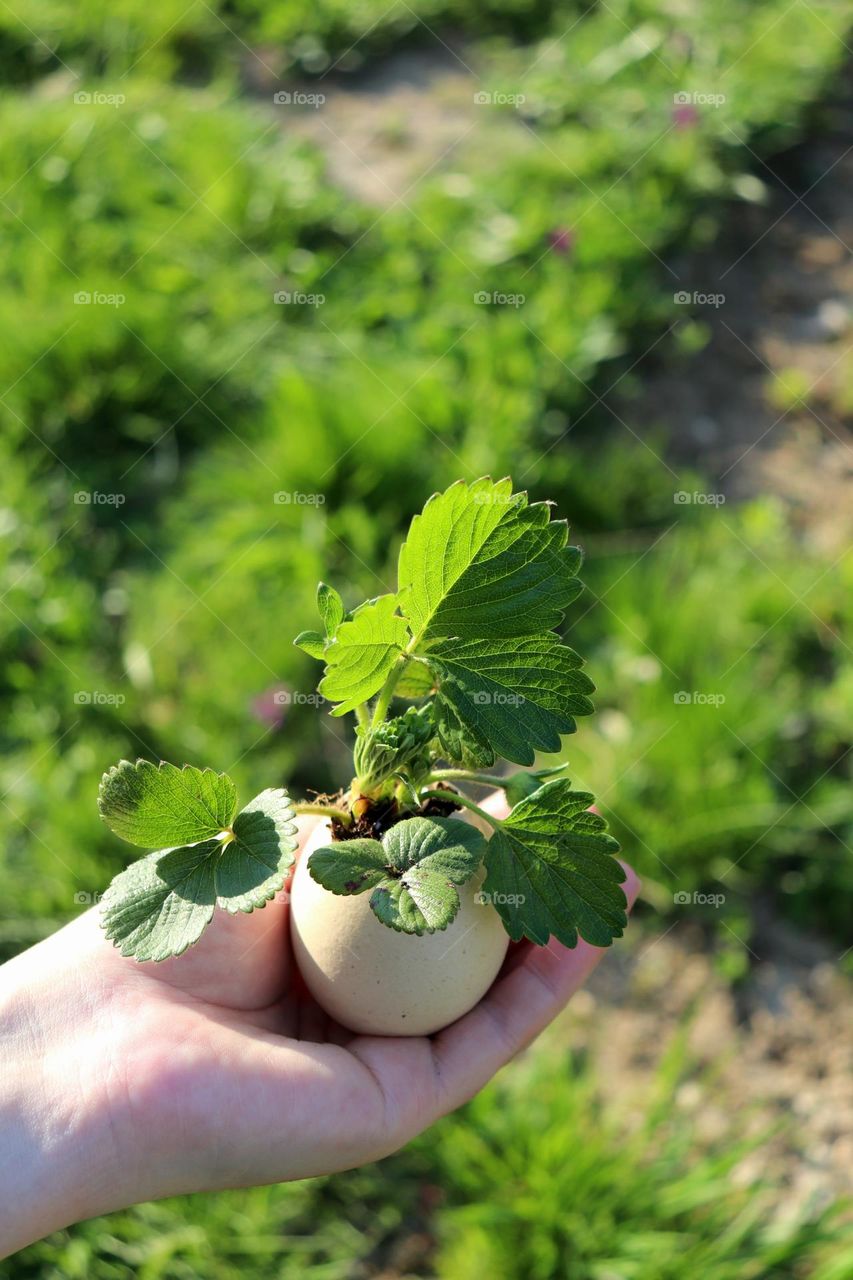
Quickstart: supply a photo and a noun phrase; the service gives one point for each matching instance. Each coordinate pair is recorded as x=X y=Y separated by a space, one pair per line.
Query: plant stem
x=361 y=715
x=386 y=693
x=466 y=775
x=457 y=798
x=325 y=810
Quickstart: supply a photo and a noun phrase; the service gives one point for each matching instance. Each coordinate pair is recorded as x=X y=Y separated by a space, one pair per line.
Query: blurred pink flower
x=270 y=707
x=561 y=239
x=685 y=115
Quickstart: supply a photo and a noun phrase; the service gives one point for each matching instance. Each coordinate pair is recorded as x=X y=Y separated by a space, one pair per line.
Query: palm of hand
x=218 y=1070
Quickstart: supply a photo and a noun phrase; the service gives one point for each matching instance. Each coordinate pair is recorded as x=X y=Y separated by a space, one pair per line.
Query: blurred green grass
x=155 y=622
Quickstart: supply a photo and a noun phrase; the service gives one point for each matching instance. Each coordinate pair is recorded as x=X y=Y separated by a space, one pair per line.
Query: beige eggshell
x=376 y=981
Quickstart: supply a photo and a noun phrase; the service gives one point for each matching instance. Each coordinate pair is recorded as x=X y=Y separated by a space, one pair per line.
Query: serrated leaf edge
x=122 y=767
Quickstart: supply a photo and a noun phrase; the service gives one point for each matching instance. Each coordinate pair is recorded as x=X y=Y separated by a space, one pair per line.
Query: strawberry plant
x=459 y=669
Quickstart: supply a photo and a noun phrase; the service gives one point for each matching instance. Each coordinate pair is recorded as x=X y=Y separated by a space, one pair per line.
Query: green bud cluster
x=393 y=747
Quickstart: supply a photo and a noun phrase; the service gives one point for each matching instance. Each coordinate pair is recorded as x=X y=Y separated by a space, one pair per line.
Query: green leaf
x=349 y=866
x=312 y=643
x=478 y=562
x=513 y=697
x=362 y=653
x=417 y=681
x=414 y=871
x=461 y=742
x=254 y=866
x=155 y=805
x=331 y=608
x=434 y=855
x=161 y=905
x=519 y=786
x=550 y=870
x=394 y=906
x=453 y=846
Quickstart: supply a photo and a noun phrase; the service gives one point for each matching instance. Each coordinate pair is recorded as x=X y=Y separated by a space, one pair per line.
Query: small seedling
x=462 y=667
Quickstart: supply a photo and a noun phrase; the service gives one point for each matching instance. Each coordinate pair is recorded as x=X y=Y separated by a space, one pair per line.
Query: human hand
x=123 y=1082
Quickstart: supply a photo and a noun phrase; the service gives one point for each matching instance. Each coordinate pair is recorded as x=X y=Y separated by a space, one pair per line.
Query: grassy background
x=155 y=622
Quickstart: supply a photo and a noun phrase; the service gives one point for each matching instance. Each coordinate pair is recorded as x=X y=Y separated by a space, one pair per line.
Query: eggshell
x=376 y=981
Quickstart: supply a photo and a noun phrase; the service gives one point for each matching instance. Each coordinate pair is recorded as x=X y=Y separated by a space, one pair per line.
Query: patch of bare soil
x=764 y=407
x=767 y=404
x=388 y=127
x=777 y=1050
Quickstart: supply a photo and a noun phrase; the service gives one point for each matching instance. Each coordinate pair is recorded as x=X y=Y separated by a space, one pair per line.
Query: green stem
x=362 y=715
x=457 y=798
x=386 y=693
x=466 y=775
x=325 y=811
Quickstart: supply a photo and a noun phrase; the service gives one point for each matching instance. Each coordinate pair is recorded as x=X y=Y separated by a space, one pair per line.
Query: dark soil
x=375 y=817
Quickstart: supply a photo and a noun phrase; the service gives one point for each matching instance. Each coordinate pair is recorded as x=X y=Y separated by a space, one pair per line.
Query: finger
x=496 y=804
x=517 y=1008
